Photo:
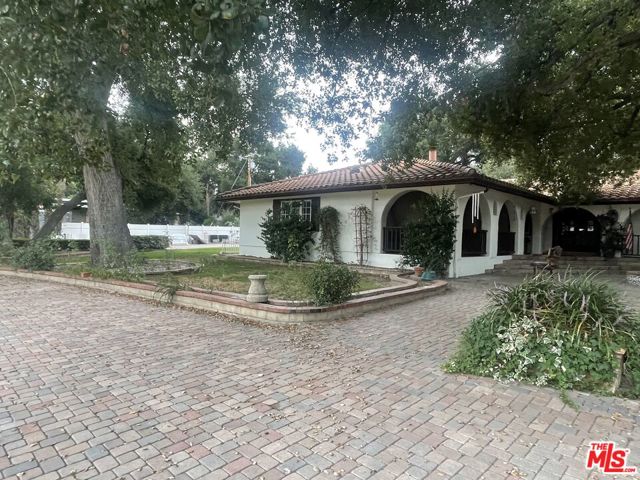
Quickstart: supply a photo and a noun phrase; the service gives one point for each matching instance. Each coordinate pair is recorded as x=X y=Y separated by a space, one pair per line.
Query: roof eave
x=473 y=179
x=615 y=201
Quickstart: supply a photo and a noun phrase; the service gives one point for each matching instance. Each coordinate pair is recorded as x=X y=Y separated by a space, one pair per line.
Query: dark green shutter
x=315 y=213
x=276 y=209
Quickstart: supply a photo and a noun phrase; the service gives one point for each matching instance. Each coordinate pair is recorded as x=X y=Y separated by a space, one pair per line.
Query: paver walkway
x=98 y=386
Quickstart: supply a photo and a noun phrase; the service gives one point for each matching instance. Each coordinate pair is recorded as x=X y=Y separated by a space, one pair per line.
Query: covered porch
x=499 y=226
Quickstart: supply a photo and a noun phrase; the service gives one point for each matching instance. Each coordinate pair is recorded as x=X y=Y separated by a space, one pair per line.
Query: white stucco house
x=508 y=219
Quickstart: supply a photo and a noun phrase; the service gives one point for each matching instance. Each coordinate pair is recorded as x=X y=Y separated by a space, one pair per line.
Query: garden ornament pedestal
x=257 y=290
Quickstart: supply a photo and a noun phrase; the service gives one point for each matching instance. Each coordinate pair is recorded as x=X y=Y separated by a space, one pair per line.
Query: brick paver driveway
x=99 y=386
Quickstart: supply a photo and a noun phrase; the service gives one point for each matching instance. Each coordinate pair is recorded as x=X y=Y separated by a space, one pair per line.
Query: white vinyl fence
x=179 y=234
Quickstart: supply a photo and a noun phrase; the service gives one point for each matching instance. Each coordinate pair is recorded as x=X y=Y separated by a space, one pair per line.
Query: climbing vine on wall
x=329 y=222
x=362 y=219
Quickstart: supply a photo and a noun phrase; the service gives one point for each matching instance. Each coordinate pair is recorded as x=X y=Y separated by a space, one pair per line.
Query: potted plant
x=430 y=271
x=612 y=241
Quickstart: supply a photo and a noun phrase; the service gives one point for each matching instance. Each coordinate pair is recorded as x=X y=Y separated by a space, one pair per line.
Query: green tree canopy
x=558 y=97
x=63 y=62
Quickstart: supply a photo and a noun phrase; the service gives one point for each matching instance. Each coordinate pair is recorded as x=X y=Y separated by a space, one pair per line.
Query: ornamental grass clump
x=561 y=330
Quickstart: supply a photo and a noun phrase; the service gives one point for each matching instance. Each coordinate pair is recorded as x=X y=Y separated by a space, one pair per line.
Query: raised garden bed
x=229 y=304
x=229 y=274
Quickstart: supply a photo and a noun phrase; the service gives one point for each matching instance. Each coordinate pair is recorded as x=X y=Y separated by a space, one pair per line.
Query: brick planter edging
x=266 y=313
x=402 y=283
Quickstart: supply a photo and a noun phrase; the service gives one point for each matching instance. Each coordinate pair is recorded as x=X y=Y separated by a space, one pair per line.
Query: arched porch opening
x=576 y=230
x=400 y=212
x=506 y=230
x=474 y=232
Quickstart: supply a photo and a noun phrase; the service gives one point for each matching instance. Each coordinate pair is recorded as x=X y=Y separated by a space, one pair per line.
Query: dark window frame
x=315 y=208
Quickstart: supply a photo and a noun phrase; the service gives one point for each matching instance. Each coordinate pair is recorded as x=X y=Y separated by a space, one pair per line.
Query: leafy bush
x=330 y=284
x=145 y=242
x=612 y=235
x=287 y=238
x=19 y=242
x=429 y=241
x=35 y=256
x=151 y=242
x=553 y=330
x=65 y=244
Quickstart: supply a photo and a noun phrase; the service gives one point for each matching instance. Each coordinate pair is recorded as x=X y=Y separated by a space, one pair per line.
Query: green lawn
x=190 y=255
x=187 y=254
x=230 y=274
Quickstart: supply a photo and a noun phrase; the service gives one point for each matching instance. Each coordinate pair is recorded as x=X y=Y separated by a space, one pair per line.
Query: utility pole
x=248 y=170
x=207 y=197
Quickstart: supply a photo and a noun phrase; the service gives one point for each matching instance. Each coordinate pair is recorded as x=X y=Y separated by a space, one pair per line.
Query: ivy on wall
x=329 y=222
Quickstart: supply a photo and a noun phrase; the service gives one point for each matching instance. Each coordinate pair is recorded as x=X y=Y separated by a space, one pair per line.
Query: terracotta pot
x=418 y=271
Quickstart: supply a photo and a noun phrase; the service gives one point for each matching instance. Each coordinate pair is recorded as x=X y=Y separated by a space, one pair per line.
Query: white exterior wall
x=379 y=201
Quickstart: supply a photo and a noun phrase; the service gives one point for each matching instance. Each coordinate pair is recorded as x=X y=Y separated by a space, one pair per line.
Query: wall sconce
x=533 y=210
x=375 y=195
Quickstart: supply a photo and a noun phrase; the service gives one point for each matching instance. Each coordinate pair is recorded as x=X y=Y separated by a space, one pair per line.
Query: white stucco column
x=492 y=247
x=521 y=215
x=457 y=249
x=541 y=235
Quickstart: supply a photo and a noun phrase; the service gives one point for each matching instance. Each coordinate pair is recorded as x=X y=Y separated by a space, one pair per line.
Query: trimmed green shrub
x=151 y=242
x=144 y=242
x=64 y=244
x=34 y=256
x=19 y=242
x=561 y=331
x=330 y=284
x=289 y=238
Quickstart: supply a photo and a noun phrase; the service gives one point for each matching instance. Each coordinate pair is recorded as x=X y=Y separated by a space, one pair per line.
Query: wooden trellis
x=362 y=219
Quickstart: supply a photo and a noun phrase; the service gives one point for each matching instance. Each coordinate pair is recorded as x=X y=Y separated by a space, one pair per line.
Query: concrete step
x=590 y=261
x=521 y=264
x=568 y=262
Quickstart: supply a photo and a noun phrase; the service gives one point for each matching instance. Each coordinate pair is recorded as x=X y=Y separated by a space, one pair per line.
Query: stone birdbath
x=257 y=290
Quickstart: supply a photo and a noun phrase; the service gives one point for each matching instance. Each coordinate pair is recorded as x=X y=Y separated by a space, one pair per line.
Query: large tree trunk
x=109 y=234
x=56 y=216
x=110 y=237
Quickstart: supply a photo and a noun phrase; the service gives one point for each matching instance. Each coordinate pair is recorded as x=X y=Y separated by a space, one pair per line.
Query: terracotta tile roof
x=372 y=176
x=621 y=191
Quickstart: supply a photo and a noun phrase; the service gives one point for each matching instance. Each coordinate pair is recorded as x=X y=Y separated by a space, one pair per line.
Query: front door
x=576 y=230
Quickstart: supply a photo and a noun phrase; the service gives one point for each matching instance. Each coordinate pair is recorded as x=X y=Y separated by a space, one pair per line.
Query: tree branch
x=56 y=216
